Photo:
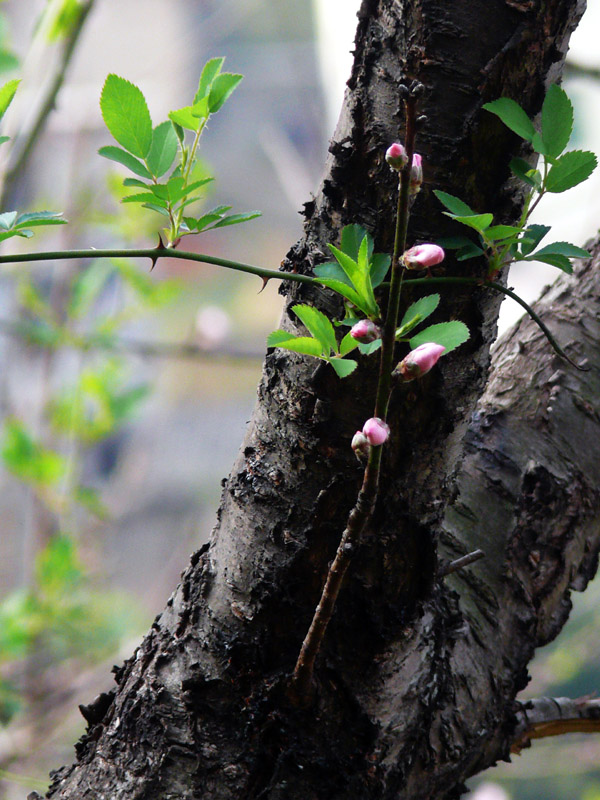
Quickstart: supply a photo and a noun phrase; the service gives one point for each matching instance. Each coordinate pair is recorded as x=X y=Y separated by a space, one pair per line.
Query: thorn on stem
x=159 y=246
x=265 y=281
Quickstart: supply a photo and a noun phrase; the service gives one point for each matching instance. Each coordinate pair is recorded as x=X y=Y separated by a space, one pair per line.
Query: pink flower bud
x=419 y=361
x=423 y=256
x=360 y=445
x=365 y=331
x=396 y=156
x=376 y=431
x=416 y=174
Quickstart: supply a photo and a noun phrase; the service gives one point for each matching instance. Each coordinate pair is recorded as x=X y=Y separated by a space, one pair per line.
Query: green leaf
x=352 y=237
x=347 y=344
x=564 y=249
x=559 y=261
x=449 y=334
x=350 y=294
x=532 y=236
x=513 y=116
x=570 y=169
x=8 y=219
x=4 y=139
x=359 y=276
x=125 y=158
x=221 y=89
x=126 y=115
x=343 y=366
x=7 y=92
x=235 y=219
x=297 y=344
x=469 y=251
x=209 y=72
x=557 y=121
x=184 y=118
x=331 y=270
x=37 y=218
x=144 y=197
x=372 y=347
x=526 y=172
x=380 y=264
x=452 y=203
x=477 y=221
x=163 y=150
x=135 y=182
x=497 y=233
x=319 y=326
x=422 y=308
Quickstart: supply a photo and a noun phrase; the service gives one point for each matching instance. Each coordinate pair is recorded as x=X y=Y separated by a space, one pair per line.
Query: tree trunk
x=415 y=683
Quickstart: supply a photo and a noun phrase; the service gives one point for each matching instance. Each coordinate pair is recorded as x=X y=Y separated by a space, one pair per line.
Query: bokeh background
x=170 y=397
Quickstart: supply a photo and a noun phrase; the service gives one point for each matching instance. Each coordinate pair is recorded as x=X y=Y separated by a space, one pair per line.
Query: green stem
x=360 y=515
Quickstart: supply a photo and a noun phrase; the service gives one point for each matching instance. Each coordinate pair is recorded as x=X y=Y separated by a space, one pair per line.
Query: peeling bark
x=417 y=677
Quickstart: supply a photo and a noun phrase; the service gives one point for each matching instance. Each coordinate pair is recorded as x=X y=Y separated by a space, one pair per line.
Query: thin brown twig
x=555 y=716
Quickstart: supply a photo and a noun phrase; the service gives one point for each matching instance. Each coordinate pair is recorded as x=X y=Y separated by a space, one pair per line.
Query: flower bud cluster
x=396 y=156
x=419 y=361
x=374 y=433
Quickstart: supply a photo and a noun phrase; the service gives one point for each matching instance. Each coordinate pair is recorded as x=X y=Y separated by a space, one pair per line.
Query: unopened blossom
x=376 y=431
x=423 y=256
x=365 y=331
x=396 y=156
x=416 y=174
x=360 y=445
x=419 y=361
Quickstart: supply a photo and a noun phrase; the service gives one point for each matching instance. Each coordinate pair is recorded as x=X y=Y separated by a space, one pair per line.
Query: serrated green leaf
x=235 y=219
x=209 y=72
x=478 y=222
x=331 y=270
x=126 y=115
x=562 y=249
x=125 y=158
x=352 y=237
x=347 y=344
x=557 y=121
x=200 y=109
x=532 y=236
x=469 y=251
x=343 y=366
x=359 y=276
x=453 y=204
x=318 y=325
x=298 y=344
x=135 y=182
x=183 y=118
x=422 y=308
x=561 y=262
x=570 y=169
x=526 y=172
x=221 y=89
x=7 y=92
x=449 y=334
x=34 y=218
x=380 y=264
x=163 y=150
x=156 y=208
x=277 y=336
x=513 y=116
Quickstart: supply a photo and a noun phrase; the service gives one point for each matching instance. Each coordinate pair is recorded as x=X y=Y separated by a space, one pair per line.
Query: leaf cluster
x=169 y=177
x=559 y=172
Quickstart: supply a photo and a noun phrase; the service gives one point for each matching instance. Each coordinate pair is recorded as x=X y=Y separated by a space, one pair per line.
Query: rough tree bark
x=416 y=681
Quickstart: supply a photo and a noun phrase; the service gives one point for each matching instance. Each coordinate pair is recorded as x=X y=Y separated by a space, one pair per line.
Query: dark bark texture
x=415 y=683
